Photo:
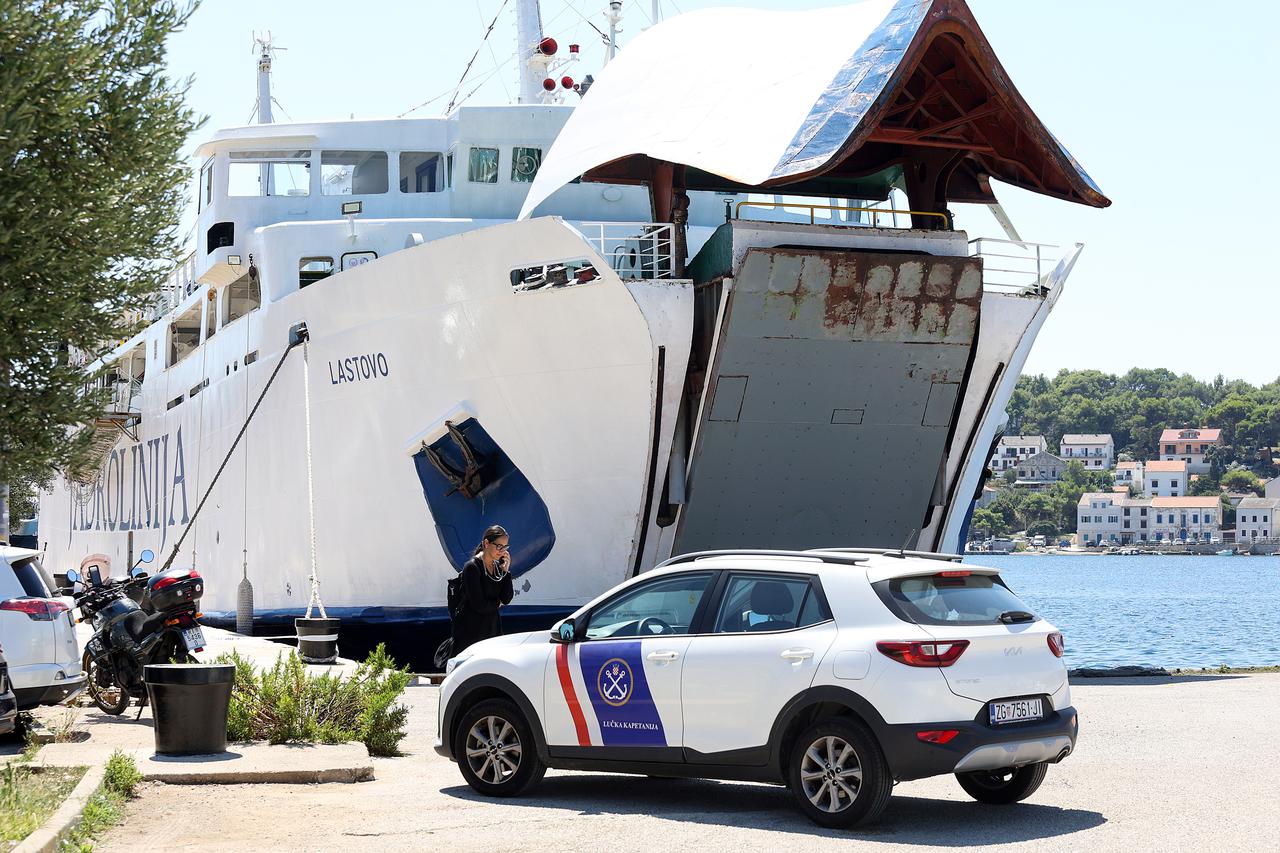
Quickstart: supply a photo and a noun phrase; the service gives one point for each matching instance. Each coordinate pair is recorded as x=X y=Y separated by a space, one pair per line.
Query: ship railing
x=180 y=283
x=1013 y=266
x=872 y=217
x=634 y=249
x=126 y=397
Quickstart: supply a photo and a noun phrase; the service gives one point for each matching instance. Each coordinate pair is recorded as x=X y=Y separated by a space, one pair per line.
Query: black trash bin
x=189 y=702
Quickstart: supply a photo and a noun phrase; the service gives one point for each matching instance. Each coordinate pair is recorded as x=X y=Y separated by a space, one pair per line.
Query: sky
x=1157 y=99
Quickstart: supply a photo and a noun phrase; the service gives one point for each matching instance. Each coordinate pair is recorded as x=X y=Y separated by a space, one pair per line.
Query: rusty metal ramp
x=834 y=389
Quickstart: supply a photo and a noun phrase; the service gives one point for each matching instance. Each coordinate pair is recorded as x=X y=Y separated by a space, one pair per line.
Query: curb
x=67 y=817
x=251 y=777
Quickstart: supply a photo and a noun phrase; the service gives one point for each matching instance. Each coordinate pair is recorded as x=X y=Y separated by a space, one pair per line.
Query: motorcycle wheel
x=111 y=698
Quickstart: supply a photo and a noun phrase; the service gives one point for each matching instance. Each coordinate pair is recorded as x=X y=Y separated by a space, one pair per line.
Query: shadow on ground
x=907 y=820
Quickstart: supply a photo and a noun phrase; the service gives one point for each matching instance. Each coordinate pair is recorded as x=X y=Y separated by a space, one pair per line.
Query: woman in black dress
x=486 y=586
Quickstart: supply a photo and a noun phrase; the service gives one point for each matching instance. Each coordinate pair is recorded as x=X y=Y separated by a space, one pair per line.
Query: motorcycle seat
x=139 y=624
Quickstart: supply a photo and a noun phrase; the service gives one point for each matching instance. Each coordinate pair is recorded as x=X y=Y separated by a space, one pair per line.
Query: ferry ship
x=650 y=322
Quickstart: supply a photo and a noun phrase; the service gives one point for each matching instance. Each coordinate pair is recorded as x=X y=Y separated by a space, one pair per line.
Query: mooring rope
x=227 y=458
x=314 y=601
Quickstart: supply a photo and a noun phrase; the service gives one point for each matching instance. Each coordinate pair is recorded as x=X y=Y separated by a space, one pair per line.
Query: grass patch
x=105 y=808
x=286 y=704
x=28 y=797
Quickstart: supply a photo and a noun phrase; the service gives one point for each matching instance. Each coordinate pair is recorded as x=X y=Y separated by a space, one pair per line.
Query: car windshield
x=953 y=599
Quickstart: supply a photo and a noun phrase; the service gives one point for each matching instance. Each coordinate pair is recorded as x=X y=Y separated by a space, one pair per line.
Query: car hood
x=487 y=646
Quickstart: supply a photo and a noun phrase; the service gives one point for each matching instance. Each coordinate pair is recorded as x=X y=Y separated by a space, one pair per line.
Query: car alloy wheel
x=837 y=773
x=831 y=774
x=493 y=749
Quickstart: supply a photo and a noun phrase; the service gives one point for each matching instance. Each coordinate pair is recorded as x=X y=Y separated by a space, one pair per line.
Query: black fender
x=796 y=712
x=488 y=685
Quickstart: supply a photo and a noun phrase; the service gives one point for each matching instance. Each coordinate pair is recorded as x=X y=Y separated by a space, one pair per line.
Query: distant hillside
x=1135 y=407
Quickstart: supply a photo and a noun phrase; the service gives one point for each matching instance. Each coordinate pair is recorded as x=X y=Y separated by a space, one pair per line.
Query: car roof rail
x=896 y=552
x=826 y=556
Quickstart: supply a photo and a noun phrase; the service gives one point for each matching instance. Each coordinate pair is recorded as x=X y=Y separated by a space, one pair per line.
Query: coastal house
x=1012 y=449
x=1256 y=519
x=1272 y=488
x=1165 y=478
x=1040 y=470
x=1092 y=450
x=1190 y=446
x=1129 y=474
x=1186 y=519
x=1114 y=519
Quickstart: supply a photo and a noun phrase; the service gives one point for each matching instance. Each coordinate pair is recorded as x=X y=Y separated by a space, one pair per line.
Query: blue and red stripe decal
x=571 y=696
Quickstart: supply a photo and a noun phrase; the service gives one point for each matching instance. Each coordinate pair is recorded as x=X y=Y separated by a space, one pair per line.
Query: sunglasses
x=501 y=547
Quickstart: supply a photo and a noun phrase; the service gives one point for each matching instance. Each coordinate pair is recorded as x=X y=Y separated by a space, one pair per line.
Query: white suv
x=835 y=672
x=37 y=632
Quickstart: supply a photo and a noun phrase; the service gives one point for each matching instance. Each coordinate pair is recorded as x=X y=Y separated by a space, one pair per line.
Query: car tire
x=112 y=699
x=495 y=750
x=838 y=774
x=1001 y=787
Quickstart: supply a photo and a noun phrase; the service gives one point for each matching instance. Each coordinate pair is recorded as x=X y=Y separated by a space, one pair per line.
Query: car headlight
x=452 y=663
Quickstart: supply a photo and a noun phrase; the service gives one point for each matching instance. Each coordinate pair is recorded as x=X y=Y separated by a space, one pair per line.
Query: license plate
x=194 y=638
x=1016 y=711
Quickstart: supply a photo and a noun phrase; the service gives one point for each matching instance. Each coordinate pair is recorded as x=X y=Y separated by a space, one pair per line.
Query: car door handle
x=797 y=655
x=662 y=657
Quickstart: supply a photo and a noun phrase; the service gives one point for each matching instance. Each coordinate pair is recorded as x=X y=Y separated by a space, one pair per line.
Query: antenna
x=902 y=552
x=614 y=17
x=265 y=50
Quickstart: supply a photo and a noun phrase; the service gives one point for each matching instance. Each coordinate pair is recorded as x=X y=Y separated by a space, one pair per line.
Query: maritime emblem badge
x=614 y=682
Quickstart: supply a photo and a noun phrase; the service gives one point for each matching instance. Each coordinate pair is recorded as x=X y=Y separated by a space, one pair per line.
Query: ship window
x=524 y=164
x=184 y=334
x=285 y=173
x=554 y=275
x=420 y=172
x=482 y=166
x=449 y=169
x=311 y=270
x=241 y=296
x=204 y=194
x=353 y=172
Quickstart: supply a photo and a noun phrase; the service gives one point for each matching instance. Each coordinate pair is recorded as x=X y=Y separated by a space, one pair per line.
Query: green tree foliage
x=1048 y=511
x=1137 y=406
x=91 y=191
x=1241 y=480
x=987 y=522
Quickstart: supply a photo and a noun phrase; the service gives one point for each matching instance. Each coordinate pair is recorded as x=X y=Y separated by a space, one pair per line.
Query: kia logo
x=1013 y=650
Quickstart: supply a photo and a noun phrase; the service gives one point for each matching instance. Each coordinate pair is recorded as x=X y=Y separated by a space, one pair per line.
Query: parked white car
x=37 y=632
x=835 y=672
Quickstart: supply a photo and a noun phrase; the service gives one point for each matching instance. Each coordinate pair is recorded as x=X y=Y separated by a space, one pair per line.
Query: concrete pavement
x=1171 y=764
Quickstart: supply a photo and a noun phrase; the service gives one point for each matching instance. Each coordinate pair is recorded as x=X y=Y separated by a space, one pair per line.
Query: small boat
x=1225 y=552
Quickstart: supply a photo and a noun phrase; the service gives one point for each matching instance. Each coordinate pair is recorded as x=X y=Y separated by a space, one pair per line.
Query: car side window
x=664 y=606
x=767 y=603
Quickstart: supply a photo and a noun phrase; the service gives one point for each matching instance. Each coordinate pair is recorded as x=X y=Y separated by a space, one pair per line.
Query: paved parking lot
x=1173 y=764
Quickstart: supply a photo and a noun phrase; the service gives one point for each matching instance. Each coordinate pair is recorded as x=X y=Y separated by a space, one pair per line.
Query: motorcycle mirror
x=147 y=556
x=73 y=576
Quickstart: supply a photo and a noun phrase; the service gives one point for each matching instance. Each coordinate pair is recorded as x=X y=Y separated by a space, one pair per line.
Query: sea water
x=1186 y=612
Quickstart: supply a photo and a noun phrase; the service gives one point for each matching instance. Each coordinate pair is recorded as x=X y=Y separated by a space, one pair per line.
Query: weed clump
x=286 y=704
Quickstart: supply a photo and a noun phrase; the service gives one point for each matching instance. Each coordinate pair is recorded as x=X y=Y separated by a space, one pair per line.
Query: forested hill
x=1136 y=407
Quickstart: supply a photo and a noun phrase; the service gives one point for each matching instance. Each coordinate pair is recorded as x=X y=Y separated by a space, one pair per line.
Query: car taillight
x=1057 y=644
x=942 y=653
x=937 y=735
x=38 y=609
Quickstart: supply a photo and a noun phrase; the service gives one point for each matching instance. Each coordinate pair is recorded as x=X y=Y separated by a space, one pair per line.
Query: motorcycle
x=128 y=634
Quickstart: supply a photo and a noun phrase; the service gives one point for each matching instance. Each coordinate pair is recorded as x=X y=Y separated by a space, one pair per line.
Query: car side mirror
x=73 y=576
x=565 y=631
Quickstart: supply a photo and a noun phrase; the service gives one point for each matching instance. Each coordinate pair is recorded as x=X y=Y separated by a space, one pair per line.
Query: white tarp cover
x=722 y=90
